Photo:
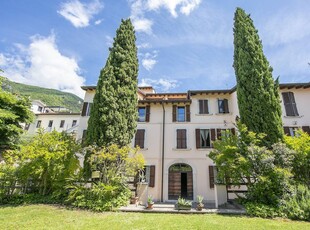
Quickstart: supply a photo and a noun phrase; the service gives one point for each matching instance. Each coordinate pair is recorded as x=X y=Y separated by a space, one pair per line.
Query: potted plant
x=200 y=204
x=150 y=202
x=183 y=204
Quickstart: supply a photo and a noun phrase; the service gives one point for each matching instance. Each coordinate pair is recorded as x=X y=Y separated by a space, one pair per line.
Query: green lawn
x=51 y=217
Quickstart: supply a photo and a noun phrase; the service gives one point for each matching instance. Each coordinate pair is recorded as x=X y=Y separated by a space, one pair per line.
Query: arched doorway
x=180 y=183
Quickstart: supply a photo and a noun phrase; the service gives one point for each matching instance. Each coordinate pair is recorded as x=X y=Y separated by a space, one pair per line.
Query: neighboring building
x=175 y=133
x=52 y=118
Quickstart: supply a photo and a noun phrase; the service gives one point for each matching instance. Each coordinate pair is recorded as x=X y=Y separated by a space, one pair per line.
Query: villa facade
x=175 y=133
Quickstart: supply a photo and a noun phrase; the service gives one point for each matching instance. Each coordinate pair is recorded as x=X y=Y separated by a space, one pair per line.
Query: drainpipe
x=163 y=155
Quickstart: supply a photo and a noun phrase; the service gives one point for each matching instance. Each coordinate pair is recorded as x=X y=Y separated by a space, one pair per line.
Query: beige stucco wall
x=197 y=158
x=302 y=99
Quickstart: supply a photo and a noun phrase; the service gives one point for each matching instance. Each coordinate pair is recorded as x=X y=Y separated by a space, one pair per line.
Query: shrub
x=300 y=143
x=297 y=205
x=261 y=210
x=100 y=197
x=40 y=167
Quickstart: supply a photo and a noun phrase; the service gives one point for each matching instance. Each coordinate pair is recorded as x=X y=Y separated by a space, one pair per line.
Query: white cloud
x=148 y=64
x=79 y=14
x=142 y=25
x=148 y=60
x=161 y=84
x=186 y=6
x=98 y=22
x=42 y=64
x=140 y=7
x=144 y=45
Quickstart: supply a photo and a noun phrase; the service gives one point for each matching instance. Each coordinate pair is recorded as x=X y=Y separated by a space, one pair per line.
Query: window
x=223 y=106
x=181 y=113
x=148 y=175
x=290 y=104
x=205 y=141
x=204 y=138
x=50 y=123
x=203 y=107
x=74 y=123
x=40 y=108
x=181 y=139
x=38 y=124
x=225 y=132
x=86 y=109
x=141 y=114
x=62 y=123
x=139 y=138
x=290 y=131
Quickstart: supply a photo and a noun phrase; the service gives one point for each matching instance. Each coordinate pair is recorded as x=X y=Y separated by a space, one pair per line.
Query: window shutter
x=200 y=106
x=294 y=107
x=306 y=129
x=181 y=139
x=233 y=131
x=225 y=101
x=84 y=109
x=198 y=138
x=174 y=113
x=218 y=134
x=286 y=130
x=139 y=138
x=211 y=176
x=152 y=176
x=147 y=113
x=188 y=113
x=206 y=107
x=289 y=104
x=212 y=134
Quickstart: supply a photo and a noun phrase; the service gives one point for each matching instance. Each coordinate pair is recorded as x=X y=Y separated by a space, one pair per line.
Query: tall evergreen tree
x=113 y=117
x=257 y=92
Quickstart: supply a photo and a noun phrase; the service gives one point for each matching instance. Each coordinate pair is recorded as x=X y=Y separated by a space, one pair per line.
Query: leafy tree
x=300 y=143
x=113 y=166
x=14 y=110
x=114 y=111
x=45 y=163
x=257 y=92
x=241 y=159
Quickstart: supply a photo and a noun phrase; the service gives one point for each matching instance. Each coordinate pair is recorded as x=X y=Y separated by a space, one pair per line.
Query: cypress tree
x=257 y=92
x=113 y=116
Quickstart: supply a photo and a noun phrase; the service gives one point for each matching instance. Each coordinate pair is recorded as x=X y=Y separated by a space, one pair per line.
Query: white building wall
x=56 y=118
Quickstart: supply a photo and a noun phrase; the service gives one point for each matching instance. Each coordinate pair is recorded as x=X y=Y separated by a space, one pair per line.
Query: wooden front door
x=180 y=183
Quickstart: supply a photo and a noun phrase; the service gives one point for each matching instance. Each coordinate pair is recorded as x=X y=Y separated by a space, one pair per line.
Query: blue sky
x=182 y=44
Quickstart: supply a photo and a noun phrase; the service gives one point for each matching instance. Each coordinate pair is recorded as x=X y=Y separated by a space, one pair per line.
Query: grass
x=52 y=217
